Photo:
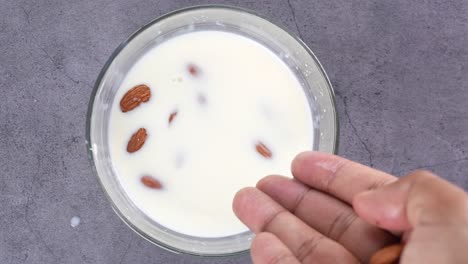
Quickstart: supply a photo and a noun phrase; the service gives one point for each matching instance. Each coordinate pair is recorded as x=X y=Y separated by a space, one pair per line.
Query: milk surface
x=242 y=94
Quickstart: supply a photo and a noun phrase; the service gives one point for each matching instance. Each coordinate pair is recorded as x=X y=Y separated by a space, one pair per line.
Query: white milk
x=243 y=94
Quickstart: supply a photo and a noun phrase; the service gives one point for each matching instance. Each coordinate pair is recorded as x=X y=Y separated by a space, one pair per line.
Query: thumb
x=419 y=198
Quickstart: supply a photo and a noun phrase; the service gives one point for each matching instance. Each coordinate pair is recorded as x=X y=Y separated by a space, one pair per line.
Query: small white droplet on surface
x=75 y=221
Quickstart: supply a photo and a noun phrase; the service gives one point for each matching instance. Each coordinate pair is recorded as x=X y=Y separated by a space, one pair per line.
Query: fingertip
x=267 y=248
x=307 y=159
x=241 y=198
x=299 y=160
x=254 y=208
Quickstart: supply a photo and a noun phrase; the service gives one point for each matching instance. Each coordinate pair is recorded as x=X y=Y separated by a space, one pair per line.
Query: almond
x=172 y=116
x=193 y=69
x=134 y=97
x=263 y=150
x=387 y=255
x=137 y=140
x=151 y=182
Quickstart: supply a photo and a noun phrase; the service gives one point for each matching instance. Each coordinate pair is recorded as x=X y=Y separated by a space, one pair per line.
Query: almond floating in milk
x=171 y=117
x=134 y=97
x=193 y=69
x=263 y=150
x=137 y=140
x=151 y=182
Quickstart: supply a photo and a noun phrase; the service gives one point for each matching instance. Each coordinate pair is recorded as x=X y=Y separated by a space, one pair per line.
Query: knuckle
x=336 y=171
x=308 y=247
x=299 y=200
x=266 y=226
x=341 y=224
x=434 y=201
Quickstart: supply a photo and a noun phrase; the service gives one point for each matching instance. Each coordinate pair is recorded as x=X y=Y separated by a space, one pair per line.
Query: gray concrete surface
x=399 y=68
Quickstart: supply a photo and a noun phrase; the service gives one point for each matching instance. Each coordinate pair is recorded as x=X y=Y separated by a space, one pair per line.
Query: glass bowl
x=288 y=47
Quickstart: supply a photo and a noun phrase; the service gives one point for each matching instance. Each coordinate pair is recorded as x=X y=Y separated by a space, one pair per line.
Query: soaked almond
x=193 y=69
x=137 y=140
x=134 y=97
x=263 y=150
x=151 y=182
x=172 y=116
x=387 y=255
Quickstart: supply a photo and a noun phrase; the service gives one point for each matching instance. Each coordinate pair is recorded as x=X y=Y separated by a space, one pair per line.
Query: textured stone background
x=399 y=69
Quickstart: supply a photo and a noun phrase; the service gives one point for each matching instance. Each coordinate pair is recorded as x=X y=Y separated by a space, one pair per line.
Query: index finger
x=337 y=176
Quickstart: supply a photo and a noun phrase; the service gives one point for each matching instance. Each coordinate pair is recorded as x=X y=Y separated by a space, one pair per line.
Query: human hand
x=310 y=219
